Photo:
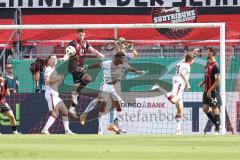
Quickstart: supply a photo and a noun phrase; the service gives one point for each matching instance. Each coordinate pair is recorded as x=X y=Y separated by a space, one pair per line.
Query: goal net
x=146 y=109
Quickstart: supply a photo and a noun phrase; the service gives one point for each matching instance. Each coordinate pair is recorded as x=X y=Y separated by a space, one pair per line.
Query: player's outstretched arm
x=52 y=79
x=131 y=69
x=93 y=66
x=183 y=75
x=214 y=86
x=96 y=52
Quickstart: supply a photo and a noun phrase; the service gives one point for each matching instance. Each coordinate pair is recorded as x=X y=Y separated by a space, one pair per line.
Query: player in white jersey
x=130 y=52
x=180 y=82
x=110 y=92
x=55 y=104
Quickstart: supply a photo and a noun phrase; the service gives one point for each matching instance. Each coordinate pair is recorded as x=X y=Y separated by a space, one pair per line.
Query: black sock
x=14 y=128
x=217 y=120
x=73 y=105
x=211 y=117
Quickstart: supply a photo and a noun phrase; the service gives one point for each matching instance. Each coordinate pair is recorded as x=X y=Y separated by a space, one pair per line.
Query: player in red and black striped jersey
x=211 y=96
x=4 y=107
x=75 y=65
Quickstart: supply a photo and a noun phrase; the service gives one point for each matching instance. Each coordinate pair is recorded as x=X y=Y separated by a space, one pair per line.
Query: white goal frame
x=221 y=26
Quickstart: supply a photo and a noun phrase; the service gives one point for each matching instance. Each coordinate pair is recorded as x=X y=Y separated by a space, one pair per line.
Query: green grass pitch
x=111 y=147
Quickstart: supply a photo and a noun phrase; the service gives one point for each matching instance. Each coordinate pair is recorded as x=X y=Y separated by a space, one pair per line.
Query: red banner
x=155 y=15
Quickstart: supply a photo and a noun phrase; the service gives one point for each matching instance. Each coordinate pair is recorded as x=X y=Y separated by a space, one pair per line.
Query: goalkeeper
x=130 y=52
x=110 y=89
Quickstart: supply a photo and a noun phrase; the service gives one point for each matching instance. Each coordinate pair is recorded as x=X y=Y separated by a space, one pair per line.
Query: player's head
x=119 y=57
x=51 y=60
x=81 y=34
x=189 y=58
x=210 y=52
x=9 y=68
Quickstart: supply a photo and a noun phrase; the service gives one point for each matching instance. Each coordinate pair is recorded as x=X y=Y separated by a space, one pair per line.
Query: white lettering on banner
x=140 y=118
x=115 y=3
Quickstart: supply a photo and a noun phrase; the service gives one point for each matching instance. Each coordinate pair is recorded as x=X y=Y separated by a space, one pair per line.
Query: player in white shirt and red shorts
x=55 y=104
x=180 y=82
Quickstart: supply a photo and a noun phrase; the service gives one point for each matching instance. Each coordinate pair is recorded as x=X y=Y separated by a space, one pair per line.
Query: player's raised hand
x=130 y=46
x=121 y=40
x=201 y=84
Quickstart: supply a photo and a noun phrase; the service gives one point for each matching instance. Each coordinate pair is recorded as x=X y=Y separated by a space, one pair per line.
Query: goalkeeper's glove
x=121 y=40
x=130 y=47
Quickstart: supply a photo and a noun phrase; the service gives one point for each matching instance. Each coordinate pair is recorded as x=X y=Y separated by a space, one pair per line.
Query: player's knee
x=117 y=105
x=102 y=105
x=11 y=118
x=173 y=98
x=87 y=78
x=77 y=84
x=10 y=115
x=215 y=110
x=54 y=114
x=205 y=109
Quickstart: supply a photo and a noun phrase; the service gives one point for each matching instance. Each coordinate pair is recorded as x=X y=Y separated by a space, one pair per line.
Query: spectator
x=12 y=80
x=37 y=69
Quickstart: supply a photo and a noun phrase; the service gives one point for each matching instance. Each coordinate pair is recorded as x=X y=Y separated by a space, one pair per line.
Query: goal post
x=222 y=46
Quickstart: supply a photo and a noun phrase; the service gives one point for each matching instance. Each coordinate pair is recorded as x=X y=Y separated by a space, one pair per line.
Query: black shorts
x=4 y=108
x=215 y=99
x=78 y=75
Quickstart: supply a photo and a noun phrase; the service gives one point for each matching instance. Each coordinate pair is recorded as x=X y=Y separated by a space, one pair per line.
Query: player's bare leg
x=96 y=103
x=12 y=120
x=175 y=99
x=179 y=116
x=64 y=113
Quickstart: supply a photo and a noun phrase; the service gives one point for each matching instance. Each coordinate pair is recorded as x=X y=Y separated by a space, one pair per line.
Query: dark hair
x=38 y=65
x=120 y=54
x=81 y=30
x=212 y=50
x=47 y=59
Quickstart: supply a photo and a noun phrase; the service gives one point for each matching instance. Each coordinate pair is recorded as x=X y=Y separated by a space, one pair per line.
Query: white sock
x=120 y=119
x=179 y=121
x=112 y=116
x=91 y=106
x=65 y=123
x=100 y=124
x=49 y=123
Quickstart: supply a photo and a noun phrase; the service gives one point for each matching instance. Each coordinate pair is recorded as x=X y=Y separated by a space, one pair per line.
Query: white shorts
x=110 y=93
x=178 y=87
x=53 y=99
